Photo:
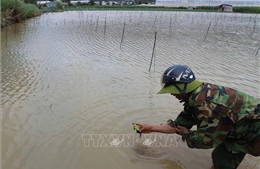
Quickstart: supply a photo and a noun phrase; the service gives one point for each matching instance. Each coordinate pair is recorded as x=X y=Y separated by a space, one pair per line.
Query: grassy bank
x=236 y=9
x=246 y=9
x=13 y=11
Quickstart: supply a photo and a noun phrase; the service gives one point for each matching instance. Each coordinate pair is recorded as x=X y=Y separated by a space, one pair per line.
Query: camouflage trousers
x=230 y=154
x=224 y=159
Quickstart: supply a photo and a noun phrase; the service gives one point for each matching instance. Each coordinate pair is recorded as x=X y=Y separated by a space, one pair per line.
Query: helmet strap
x=182 y=91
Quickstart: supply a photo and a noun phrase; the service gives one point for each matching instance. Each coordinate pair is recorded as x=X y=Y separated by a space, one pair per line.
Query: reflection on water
x=64 y=75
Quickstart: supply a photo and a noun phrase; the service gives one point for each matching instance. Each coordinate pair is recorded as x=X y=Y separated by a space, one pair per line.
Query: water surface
x=67 y=76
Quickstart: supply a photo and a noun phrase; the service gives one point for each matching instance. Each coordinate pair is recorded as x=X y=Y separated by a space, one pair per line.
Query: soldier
x=226 y=119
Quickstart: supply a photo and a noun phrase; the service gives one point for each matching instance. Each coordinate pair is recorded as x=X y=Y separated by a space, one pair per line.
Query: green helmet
x=178 y=79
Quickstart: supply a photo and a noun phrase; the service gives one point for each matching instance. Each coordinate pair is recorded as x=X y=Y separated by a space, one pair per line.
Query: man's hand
x=180 y=130
x=144 y=128
x=164 y=128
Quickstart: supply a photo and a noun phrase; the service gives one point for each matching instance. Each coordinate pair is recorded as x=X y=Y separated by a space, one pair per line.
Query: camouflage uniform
x=226 y=119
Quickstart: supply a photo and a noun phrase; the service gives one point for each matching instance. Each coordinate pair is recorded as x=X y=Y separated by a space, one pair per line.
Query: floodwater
x=73 y=82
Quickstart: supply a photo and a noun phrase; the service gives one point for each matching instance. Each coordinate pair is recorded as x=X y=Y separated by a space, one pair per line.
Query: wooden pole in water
x=6 y=35
x=139 y=19
x=215 y=24
x=154 y=21
x=249 y=21
x=122 y=36
x=97 y=23
x=257 y=50
x=155 y=34
x=105 y=26
x=253 y=28
x=91 y=20
x=25 y=26
x=207 y=32
x=170 y=25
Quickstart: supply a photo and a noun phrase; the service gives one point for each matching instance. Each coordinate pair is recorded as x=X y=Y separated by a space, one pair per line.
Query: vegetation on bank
x=247 y=9
x=236 y=9
x=13 y=11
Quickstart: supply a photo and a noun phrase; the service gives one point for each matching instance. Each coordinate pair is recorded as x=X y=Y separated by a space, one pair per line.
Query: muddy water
x=73 y=82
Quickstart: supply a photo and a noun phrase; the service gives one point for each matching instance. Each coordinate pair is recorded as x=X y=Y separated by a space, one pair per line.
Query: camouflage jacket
x=222 y=115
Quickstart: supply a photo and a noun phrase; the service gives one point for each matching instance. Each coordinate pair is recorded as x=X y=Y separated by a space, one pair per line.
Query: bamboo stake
x=170 y=25
x=90 y=21
x=105 y=26
x=15 y=31
x=97 y=23
x=155 y=34
x=6 y=31
x=253 y=27
x=154 y=21
x=122 y=36
x=140 y=17
x=249 y=21
x=207 y=32
x=257 y=50
x=25 y=26
x=215 y=24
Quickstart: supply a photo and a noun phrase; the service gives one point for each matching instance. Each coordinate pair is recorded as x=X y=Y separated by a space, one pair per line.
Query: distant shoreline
x=236 y=9
x=9 y=15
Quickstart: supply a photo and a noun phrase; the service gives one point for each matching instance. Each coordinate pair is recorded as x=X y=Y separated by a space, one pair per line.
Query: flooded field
x=73 y=82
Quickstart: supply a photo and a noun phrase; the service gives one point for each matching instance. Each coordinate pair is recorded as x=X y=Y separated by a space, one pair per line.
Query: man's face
x=178 y=96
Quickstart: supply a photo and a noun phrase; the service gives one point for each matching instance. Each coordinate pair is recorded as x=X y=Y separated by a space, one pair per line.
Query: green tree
x=92 y=2
x=30 y=2
x=68 y=1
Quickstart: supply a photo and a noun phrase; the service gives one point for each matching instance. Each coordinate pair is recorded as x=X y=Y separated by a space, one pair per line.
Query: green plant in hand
x=136 y=128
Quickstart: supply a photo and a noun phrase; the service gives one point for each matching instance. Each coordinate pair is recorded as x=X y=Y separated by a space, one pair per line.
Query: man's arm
x=186 y=119
x=196 y=139
x=164 y=128
x=212 y=127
